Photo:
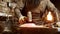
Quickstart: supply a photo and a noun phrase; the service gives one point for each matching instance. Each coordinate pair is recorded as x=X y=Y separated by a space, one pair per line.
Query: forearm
x=18 y=12
x=20 y=6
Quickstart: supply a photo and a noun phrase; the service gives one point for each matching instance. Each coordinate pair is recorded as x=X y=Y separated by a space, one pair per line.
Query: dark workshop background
x=56 y=3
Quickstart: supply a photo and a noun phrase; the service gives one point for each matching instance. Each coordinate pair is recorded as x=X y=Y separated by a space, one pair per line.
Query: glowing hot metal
x=49 y=17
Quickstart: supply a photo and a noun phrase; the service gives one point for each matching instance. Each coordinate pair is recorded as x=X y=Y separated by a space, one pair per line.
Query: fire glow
x=30 y=25
x=49 y=17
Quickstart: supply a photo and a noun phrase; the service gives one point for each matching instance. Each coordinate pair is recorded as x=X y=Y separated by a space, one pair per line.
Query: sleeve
x=20 y=6
x=53 y=8
x=42 y=5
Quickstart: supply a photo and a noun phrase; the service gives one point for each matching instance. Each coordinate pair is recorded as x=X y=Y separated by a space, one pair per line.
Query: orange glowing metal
x=49 y=16
x=31 y=25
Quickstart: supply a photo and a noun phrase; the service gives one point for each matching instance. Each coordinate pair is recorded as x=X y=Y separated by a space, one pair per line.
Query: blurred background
x=56 y=3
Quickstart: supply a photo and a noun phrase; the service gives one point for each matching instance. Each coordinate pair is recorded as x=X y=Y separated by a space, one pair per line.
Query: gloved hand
x=22 y=20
